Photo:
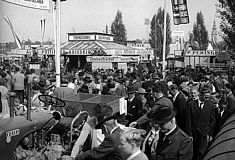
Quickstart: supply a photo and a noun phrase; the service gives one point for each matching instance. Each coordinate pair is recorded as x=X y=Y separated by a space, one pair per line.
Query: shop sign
x=104 y=59
x=178 y=33
x=129 y=59
x=79 y=52
x=104 y=38
x=202 y=53
x=36 y=4
x=108 y=59
x=81 y=37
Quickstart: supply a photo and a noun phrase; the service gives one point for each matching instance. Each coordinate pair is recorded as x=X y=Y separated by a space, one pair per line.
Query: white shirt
x=175 y=96
x=71 y=85
x=113 y=130
x=166 y=134
x=133 y=155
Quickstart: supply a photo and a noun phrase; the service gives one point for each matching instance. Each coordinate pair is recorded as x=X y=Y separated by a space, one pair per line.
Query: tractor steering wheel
x=50 y=100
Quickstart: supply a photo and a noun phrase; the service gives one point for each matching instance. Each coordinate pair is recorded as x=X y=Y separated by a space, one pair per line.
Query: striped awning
x=85 y=47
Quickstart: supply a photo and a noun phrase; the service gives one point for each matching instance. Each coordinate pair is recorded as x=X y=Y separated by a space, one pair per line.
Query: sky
x=93 y=15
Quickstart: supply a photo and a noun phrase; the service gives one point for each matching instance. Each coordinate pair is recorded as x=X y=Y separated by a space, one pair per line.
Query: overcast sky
x=93 y=15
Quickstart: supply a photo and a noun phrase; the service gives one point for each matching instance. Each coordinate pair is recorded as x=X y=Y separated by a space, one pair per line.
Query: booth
x=82 y=45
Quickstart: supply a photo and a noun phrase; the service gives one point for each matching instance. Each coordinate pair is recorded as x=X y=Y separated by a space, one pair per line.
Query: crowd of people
x=172 y=118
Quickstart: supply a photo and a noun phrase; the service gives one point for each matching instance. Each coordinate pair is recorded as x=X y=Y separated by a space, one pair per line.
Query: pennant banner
x=36 y=4
x=43 y=23
x=16 y=38
x=180 y=12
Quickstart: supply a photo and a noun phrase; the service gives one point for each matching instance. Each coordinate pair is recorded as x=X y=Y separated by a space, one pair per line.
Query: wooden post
x=12 y=96
x=29 y=89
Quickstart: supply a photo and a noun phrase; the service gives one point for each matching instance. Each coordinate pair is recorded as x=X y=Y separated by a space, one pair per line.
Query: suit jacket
x=140 y=156
x=177 y=145
x=231 y=103
x=107 y=150
x=200 y=121
x=220 y=119
x=180 y=105
x=134 y=109
x=219 y=84
x=18 y=81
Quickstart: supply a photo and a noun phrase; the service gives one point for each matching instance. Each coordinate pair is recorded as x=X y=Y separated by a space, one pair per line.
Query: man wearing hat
x=89 y=130
x=134 y=105
x=173 y=143
x=109 y=148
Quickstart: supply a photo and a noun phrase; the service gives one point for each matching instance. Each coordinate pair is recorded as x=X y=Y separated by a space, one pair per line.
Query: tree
x=156 y=33
x=118 y=29
x=200 y=33
x=226 y=10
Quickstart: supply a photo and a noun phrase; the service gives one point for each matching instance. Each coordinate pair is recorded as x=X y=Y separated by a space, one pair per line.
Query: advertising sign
x=36 y=4
x=199 y=53
x=180 y=12
x=178 y=33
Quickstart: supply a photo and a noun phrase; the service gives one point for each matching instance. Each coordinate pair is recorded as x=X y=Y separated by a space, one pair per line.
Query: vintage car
x=49 y=134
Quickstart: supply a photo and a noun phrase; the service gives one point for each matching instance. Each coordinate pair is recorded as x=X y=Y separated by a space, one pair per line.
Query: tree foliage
x=226 y=10
x=118 y=29
x=157 y=31
x=200 y=33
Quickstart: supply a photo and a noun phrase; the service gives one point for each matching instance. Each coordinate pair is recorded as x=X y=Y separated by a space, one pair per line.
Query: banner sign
x=36 y=4
x=178 y=33
x=180 y=12
x=203 y=53
x=108 y=59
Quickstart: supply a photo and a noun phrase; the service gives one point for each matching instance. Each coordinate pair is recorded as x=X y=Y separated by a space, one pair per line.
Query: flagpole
x=57 y=54
x=164 y=44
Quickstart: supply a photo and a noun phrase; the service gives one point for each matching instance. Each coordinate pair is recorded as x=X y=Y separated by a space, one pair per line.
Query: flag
x=180 y=12
x=16 y=38
x=43 y=28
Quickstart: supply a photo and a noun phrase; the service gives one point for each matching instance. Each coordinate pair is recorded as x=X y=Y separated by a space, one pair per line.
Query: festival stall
x=82 y=45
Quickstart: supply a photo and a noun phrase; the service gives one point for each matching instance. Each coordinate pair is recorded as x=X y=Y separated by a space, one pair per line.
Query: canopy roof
x=85 y=47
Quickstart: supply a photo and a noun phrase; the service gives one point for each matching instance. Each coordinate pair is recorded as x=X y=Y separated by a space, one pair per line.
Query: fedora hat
x=162 y=115
x=141 y=91
x=104 y=113
x=130 y=89
x=121 y=118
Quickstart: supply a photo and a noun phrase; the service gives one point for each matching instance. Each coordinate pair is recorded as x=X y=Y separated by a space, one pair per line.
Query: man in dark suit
x=109 y=149
x=179 y=104
x=230 y=99
x=200 y=121
x=173 y=143
x=218 y=83
x=134 y=105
